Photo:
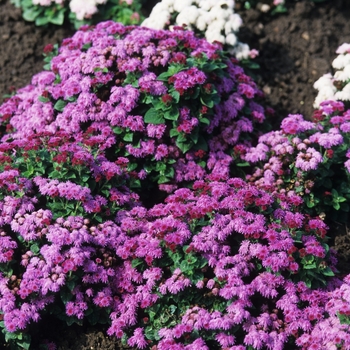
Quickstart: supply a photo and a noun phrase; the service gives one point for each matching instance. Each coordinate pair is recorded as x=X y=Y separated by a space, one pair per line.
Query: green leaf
x=41 y=21
x=160 y=167
x=31 y=14
x=310 y=266
x=184 y=146
x=328 y=272
x=207 y=101
x=135 y=183
x=59 y=105
x=132 y=166
x=336 y=206
x=25 y=342
x=58 y=19
x=343 y=318
x=244 y=164
x=86 y=46
x=153 y=117
x=163 y=179
x=175 y=95
x=205 y=121
x=43 y=99
x=35 y=248
x=117 y=130
x=55 y=175
x=172 y=114
x=164 y=76
x=170 y=172
x=128 y=137
x=173 y=132
x=85 y=177
x=136 y=262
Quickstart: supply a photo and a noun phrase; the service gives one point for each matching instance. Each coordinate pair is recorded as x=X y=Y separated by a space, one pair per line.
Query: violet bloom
x=187 y=79
x=256 y=154
x=308 y=160
x=295 y=124
x=329 y=139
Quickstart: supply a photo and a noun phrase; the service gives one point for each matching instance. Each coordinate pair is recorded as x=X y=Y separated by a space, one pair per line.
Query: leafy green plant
x=78 y=12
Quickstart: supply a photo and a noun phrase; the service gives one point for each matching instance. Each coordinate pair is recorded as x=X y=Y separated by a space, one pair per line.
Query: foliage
x=79 y=12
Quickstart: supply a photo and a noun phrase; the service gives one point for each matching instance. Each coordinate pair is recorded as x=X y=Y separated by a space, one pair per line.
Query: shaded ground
x=295 y=50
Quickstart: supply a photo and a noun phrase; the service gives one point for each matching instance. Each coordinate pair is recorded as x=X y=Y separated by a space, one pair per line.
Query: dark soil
x=295 y=48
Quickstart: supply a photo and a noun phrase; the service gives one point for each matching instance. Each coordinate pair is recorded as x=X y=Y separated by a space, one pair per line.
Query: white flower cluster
x=81 y=8
x=46 y=2
x=266 y=8
x=337 y=86
x=85 y=8
x=215 y=19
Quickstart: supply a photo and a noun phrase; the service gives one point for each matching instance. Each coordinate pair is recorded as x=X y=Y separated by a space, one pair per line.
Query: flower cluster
x=80 y=12
x=222 y=245
x=155 y=97
x=337 y=86
x=303 y=158
x=214 y=20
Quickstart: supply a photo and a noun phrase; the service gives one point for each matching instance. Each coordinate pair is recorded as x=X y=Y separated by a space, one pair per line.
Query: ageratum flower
x=165 y=101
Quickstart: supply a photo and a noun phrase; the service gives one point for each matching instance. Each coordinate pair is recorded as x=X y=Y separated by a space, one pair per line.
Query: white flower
x=343 y=48
x=42 y=2
x=213 y=32
x=182 y=5
x=83 y=8
x=325 y=80
x=203 y=20
x=218 y=12
x=324 y=94
x=214 y=19
x=188 y=17
x=342 y=95
x=205 y=5
x=160 y=7
x=241 y=51
x=233 y=24
x=343 y=75
x=169 y=3
x=341 y=61
x=160 y=23
x=231 y=39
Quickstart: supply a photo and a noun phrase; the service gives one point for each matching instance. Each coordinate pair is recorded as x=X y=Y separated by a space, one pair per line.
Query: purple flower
x=308 y=160
x=138 y=339
x=329 y=139
x=295 y=124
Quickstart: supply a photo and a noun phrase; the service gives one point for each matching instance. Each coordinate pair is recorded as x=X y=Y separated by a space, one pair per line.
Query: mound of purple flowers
x=173 y=101
x=308 y=158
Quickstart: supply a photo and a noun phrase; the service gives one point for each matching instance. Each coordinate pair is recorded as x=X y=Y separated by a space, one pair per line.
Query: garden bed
x=295 y=48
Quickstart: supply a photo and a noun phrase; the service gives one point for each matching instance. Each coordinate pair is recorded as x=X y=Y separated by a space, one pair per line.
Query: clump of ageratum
x=175 y=103
x=308 y=158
